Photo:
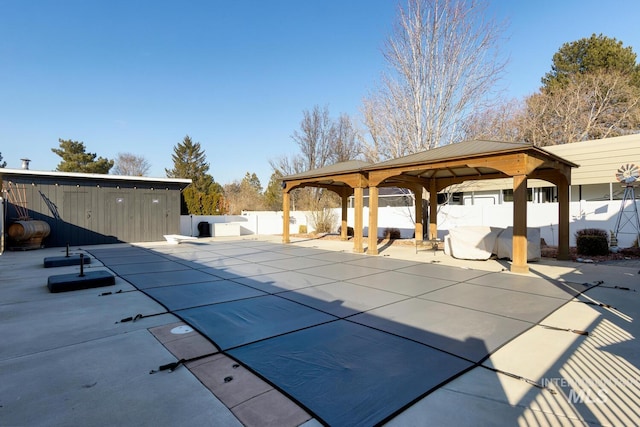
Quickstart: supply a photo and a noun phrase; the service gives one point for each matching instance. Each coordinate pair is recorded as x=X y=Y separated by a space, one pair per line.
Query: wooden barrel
x=26 y=230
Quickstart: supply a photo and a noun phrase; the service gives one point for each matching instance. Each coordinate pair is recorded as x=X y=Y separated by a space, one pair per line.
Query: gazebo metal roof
x=472 y=160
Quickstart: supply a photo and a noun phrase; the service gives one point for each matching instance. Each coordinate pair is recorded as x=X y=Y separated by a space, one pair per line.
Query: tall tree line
x=591 y=92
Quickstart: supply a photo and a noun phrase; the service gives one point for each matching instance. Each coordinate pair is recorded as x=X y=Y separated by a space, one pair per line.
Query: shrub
x=592 y=241
x=302 y=229
x=323 y=220
x=391 y=233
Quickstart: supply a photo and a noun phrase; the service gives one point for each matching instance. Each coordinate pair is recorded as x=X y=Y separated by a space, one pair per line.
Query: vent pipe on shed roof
x=25 y=163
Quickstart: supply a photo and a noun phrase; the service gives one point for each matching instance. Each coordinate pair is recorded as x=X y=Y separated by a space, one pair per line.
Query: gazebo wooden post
x=358 y=220
x=286 y=206
x=372 y=247
x=563 y=220
x=519 y=255
x=418 y=232
x=433 y=210
x=344 y=195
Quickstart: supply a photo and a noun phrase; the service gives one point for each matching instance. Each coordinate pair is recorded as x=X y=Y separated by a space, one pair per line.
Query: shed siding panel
x=86 y=211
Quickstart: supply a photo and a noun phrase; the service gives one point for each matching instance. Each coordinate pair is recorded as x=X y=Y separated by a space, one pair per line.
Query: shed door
x=154 y=216
x=77 y=216
x=118 y=218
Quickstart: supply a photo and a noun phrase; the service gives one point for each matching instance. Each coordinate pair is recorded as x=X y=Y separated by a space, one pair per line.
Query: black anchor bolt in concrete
x=81 y=265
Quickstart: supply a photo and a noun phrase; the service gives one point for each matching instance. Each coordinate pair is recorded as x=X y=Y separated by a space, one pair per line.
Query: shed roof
x=90 y=176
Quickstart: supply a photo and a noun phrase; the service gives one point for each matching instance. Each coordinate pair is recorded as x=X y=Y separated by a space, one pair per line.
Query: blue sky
x=138 y=75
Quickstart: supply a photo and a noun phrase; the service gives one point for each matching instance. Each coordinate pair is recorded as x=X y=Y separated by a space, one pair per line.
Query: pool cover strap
x=168 y=367
x=575 y=331
x=121 y=291
x=175 y=365
x=521 y=378
x=599 y=304
x=620 y=288
x=138 y=317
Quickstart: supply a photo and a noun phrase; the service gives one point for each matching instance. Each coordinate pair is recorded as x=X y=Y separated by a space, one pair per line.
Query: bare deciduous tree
x=596 y=105
x=130 y=165
x=315 y=137
x=498 y=123
x=444 y=64
x=322 y=141
x=288 y=165
x=346 y=143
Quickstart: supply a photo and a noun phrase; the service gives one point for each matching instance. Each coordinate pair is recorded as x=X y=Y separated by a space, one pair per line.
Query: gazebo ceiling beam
x=404 y=179
x=351 y=180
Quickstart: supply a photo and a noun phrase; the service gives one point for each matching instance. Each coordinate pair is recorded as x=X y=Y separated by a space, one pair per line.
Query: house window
x=449 y=198
x=507 y=195
x=547 y=195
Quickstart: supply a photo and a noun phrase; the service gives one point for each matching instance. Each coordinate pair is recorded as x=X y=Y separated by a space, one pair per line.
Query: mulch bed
x=623 y=254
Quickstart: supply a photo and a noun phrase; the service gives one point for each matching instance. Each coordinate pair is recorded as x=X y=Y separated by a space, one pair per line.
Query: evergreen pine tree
x=76 y=159
x=189 y=161
x=204 y=196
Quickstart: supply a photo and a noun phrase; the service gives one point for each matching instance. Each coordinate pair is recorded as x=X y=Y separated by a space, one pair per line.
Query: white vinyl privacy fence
x=583 y=214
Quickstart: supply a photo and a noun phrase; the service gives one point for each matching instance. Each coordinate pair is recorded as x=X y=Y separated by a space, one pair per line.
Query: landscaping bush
x=391 y=233
x=321 y=211
x=592 y=242
x=323 y=220
x=302 y=229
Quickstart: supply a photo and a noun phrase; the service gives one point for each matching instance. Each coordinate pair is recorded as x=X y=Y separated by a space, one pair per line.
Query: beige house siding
x=598 y=162
x=599 y=159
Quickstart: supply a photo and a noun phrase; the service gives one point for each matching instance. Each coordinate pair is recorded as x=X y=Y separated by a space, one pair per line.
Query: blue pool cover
x=351 y=343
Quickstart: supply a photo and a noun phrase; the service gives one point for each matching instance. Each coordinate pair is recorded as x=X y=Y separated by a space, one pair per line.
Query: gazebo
x=435 y=170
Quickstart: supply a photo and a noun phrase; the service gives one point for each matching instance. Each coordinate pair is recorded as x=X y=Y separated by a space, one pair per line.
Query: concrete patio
x=71 y=359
